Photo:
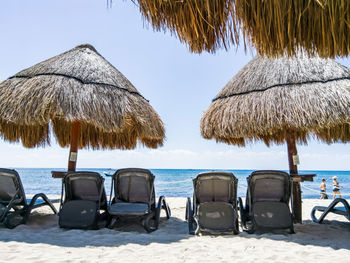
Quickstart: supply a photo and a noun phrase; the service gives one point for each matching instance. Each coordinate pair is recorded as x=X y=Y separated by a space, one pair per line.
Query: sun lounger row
x=214 y=207
x=132 y=194
x=83 y=203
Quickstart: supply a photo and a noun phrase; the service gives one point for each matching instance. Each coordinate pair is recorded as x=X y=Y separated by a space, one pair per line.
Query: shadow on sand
x=333 y=234
x=44 y=229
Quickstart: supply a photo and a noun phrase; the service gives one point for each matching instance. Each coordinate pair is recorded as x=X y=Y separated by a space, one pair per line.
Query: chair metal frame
x=17 y=210
x=150 y=219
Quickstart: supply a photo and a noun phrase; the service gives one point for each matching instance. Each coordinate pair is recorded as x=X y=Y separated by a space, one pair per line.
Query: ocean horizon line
x=210 y=169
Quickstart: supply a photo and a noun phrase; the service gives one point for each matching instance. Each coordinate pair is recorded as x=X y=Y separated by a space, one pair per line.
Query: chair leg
x=32 y=205
x=147 y=222
x=236 y=230
x=242 y=214
x=328 y=210
x=155 y=215
x=193 y=226
x=164 y=205
x=112 y=223
x=188 y=208
x=245 y=218
x=46 y=202
x=291 y=230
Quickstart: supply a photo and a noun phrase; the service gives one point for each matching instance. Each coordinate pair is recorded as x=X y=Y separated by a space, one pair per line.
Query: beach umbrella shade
x=282 y=100
x=274 y=27
x=83 y=99
x=277 y=27
x=203 y=25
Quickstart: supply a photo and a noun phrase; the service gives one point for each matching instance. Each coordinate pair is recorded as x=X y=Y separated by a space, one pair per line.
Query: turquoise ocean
x=175 y=182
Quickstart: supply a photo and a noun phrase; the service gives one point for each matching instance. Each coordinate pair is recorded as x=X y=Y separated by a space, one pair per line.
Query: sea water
x=176 y=182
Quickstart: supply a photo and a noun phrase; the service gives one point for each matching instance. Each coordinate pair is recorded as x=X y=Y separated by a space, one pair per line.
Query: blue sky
x=178 y=84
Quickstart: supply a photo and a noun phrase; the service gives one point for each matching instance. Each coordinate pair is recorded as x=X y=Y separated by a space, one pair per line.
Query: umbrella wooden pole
x=74 y=143
x=293 y=170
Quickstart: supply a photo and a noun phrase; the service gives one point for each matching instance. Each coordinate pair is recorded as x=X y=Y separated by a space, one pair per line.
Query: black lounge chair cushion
x=124 y=208
x=216 y=216
x=272 y=215
x=81 y=214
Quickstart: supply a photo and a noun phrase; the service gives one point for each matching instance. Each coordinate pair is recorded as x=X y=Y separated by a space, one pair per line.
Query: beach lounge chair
x=134 y=196
x=267 y=202
x=214 y=208
x=84 y=204
x=14 y=207
x=344 y=211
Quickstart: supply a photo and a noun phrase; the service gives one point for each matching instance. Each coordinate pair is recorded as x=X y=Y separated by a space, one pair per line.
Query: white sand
x=41 y=240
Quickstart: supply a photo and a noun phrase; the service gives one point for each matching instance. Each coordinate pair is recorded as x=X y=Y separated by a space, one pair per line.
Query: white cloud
x=14 y=155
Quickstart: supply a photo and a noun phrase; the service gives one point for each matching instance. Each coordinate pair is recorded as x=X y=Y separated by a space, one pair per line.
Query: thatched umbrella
x=203 y=25
x=273 y=27
x=88 y=102
x=282 y=100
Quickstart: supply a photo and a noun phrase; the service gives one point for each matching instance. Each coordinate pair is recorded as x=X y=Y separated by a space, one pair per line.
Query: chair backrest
x=269 y=185
x=215 y=187
x=85 y=186
x=10 y=184
x=134 y=185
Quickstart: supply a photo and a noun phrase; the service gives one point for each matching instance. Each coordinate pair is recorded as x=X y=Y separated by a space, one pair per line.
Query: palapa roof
x=203 y=25
x=274 y=27
x=279 y=27
x=78 y=85
x=270 y=97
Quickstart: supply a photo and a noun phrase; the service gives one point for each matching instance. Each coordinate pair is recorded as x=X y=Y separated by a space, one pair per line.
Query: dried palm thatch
x=275 y=27
x=77 y=86
x=270 y=98
x=202 y=24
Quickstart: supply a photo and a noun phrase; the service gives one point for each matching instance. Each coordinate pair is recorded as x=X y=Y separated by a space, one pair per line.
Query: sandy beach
x=41 y=240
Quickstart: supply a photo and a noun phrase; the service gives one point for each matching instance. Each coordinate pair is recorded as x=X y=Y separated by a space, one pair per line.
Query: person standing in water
x=323 y=189
x=336 y=187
